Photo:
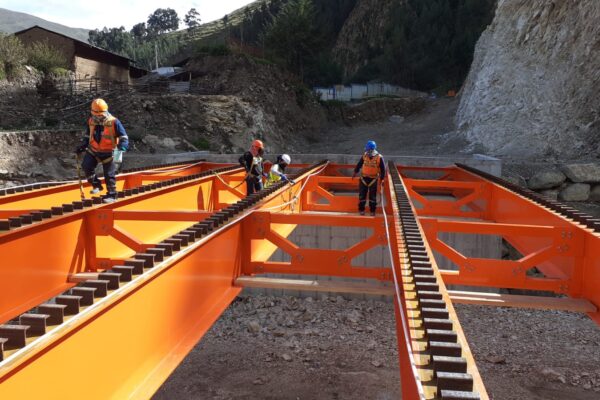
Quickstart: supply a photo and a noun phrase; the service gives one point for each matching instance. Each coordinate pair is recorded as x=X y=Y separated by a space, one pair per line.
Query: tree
x=162 y=20
x=192 y=19
x=293 y=37
x=139 y=31
x=117 y=40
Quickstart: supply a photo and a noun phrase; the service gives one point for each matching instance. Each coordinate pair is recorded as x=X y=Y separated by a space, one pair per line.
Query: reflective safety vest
x=108 y=140
x=370 y=167
x=274 y=177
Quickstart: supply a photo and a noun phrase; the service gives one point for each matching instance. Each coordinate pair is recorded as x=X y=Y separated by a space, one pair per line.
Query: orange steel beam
x=427 y=322
x=166 y=309
x=159 y=315
x=265 y=230
x=565 y=251
x=65 y=193
x=31 y=276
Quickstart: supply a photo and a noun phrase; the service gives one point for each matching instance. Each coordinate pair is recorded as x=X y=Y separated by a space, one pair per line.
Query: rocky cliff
x=534 y=84
x=362 y=35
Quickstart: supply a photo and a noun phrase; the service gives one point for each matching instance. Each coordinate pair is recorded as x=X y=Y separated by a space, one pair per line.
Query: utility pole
x=156 y=54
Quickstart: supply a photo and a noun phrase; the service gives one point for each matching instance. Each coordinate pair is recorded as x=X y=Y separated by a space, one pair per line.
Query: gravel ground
x=267 y=347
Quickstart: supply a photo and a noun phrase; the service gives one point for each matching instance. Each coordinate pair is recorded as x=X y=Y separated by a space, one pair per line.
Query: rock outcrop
x=362 y=33
x=534 y=83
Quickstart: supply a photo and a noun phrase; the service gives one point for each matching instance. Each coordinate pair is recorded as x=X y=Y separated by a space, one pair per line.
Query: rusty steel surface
x=130 y=287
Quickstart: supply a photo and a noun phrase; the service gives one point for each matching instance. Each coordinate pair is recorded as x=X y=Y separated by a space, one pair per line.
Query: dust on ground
x=266 y=347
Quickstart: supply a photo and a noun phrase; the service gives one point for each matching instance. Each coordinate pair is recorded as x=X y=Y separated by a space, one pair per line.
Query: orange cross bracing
x=121 y=292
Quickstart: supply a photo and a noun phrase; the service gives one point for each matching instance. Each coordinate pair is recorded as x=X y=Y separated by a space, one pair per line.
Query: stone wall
x=569 y=182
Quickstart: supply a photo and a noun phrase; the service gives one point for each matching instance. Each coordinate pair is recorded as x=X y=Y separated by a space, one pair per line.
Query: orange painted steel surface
x=140 y=330
x=566 y=252
x=153 y=320
x=65 y=244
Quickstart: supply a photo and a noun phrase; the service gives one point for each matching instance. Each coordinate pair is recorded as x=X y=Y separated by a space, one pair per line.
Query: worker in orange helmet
x=252 y=160
x=104 y=134
x=372 y=168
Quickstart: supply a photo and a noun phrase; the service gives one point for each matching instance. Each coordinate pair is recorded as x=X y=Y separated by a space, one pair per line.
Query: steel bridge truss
x=84 y=283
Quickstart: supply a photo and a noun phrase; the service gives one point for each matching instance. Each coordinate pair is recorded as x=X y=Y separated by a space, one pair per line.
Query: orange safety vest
x=108 y=140
x=370 y=167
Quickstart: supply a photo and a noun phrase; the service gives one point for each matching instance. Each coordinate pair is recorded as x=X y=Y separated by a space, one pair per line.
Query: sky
x=114 y=13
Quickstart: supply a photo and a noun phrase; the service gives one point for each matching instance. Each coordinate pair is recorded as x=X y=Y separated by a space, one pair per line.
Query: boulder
x=546 y=180
x=516 y=180
x=552 y=194
x=595 y=193
x=579 y=173
x=575 y=192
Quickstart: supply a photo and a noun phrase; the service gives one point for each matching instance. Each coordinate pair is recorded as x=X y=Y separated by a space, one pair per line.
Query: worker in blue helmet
x=372 y=169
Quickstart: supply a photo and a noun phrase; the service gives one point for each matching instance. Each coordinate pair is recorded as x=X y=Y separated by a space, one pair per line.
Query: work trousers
x=254 y=184
x=89 y=165
x=367 y=186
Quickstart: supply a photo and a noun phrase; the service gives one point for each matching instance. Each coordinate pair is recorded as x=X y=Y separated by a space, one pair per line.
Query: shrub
x=201 y=144
x=216 y=50
x=12 y=56
x=59 y=71
x=45 y=57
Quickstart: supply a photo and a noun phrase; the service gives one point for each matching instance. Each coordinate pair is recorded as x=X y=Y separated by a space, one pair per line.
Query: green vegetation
x=12 y=56
x=216 y=50
x=431 y=43
x=40 y=55
x=148 y=42
x=46 y=58
x=201 y=144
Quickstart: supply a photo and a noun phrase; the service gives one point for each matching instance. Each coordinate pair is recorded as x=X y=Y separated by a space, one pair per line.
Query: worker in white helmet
x=277 y=171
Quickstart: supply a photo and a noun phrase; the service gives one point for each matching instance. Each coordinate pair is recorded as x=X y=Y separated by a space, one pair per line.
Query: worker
x=252 y=160
x=372 y=168
x=277 y=172
x=104 y=135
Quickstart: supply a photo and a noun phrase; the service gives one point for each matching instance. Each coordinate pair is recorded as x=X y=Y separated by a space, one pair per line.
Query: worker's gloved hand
x=121 y=148
x=81 y=149
x=291 y=181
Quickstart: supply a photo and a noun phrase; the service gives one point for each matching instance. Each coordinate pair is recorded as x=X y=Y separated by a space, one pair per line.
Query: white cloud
x=114 y=13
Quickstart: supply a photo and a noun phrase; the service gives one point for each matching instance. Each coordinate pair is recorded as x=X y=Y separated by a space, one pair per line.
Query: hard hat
x=99 y=106
x=371 y=145
x=258 y=144
x=286 y=158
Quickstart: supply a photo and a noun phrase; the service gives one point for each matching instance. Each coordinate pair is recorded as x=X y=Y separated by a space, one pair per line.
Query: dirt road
x=419 y=134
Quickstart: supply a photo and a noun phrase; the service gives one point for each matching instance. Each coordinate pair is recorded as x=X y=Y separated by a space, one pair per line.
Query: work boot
x=109 y=199
x=95 y=190
x=362 y=212
x=372 y=213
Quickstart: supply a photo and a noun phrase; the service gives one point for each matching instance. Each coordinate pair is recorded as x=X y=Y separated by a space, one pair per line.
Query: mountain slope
x=534 y=83
x=12 y=21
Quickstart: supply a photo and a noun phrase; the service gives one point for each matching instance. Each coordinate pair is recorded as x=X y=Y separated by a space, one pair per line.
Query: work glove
x=121 y=148
x=81 y=149
x=291 y=181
